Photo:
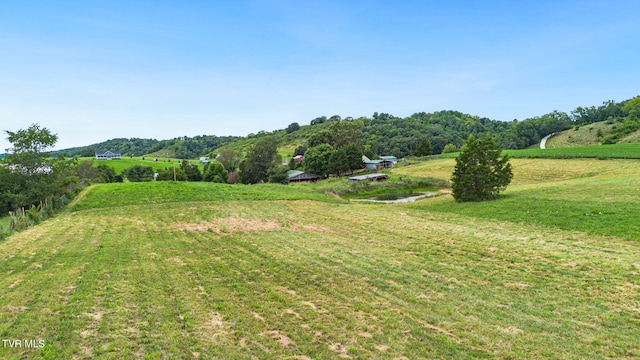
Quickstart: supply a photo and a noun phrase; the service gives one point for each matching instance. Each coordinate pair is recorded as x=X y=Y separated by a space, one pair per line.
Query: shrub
x=449 y=148
x=215 y=172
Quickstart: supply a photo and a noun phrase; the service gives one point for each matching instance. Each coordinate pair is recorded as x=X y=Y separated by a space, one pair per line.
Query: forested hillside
x=181 y=147
x=387 y=134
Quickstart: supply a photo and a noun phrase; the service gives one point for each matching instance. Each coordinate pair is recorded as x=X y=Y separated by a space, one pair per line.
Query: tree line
x=183 y=147
x=385 y=134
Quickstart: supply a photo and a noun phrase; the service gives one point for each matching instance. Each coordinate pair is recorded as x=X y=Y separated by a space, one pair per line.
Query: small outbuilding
x=300 y=176
x=370 y=177
x=393 y=159
x=378 y=164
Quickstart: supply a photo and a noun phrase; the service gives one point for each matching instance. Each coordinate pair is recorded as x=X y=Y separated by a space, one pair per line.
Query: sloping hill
x=182 y=270
x=592 y=134
x=580 y=135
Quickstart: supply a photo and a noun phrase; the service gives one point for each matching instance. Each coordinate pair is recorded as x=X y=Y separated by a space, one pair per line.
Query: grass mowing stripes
x=591 y=196
x=301 y=275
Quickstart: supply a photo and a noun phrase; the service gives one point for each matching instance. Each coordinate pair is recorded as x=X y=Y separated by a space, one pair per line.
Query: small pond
x=396 y=198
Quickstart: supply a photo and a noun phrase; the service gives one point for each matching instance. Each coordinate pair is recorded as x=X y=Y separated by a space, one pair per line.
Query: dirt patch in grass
x=95 y=316
x=214 y=329
x=511 y=330
x=176 y=260
x=255 y=315
x=234 y=224
x=341 y=349
x=313 y=228
x=381 y=347
x=282 y=339
x=14 y=308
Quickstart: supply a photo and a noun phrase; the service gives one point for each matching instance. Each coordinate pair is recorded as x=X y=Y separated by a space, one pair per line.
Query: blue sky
x=95 y=70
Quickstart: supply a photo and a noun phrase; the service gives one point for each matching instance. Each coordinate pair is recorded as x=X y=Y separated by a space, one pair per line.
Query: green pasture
x=120 y=165
x=593 y=196
x=185 y=270
x=150 y=193
x=612 y=151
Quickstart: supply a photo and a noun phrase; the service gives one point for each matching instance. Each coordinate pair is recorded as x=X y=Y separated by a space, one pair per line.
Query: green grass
x=149 y=193
x=4 y=226
x=613 y=151
x=125 y=163
x=185 y=270
x=592 y=196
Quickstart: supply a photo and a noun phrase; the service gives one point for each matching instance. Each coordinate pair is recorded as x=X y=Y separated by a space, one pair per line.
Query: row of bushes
x=22 y=218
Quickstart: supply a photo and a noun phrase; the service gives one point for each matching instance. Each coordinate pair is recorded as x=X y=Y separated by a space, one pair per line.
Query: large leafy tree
x=317 y=160
x=293 y=127
x=230 y=159
x=480 y=173
x=339 y=134
x=30 y=176
x=354 y=156
x=30 y=147
x=338 y=162
x=260 y=158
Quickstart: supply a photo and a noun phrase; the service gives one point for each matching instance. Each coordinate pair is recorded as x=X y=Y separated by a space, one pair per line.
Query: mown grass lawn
x=120 y=165
x=592 y=196
x=302 y=275
x=611 y=151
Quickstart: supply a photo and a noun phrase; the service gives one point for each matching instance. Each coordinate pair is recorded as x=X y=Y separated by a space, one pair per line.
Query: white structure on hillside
x=107 y=155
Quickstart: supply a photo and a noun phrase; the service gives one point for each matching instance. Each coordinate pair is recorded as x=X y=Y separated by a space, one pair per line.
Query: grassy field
x=209 y=271
x=125 y=163
x=613 y=151
x=591 y=196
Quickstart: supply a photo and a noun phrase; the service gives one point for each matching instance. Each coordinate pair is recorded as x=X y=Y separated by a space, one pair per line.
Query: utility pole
x=174 y=173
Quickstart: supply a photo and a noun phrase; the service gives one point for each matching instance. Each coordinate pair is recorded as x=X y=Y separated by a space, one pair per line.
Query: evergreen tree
x=424 y=148
x=480 y=174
